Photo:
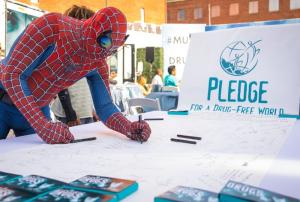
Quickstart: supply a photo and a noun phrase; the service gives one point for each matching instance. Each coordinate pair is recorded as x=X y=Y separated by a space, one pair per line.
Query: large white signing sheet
x=239 y=148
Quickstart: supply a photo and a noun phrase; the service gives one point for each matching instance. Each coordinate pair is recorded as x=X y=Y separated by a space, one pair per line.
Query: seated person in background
x=142 y=81
x=74 y=105
x=170 y=80
x=112 y=77
x=157 y=79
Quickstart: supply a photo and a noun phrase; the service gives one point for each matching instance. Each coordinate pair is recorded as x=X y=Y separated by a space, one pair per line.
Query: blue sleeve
x=102 y=100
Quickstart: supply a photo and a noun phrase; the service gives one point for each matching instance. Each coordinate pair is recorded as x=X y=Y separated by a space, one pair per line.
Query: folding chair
x=169 y=89
x=140 y=105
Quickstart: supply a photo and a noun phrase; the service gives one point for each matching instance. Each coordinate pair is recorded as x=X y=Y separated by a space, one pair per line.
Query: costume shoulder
x=49 y=18
x=58 y=26
x=46 y=24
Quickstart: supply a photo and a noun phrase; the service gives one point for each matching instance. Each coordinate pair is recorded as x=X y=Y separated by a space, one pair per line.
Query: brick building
x=230 y=11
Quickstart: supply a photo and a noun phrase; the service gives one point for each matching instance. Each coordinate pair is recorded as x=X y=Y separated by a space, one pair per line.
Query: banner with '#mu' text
x=253 y=70
x=176 y=39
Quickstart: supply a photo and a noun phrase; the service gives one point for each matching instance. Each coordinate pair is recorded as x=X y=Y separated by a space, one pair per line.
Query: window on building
x=181 y=15
x=234 y=9
x=215 y=11
x=253 y=7
x=273 y=5
x=294 y=4
x=198 y=13
x=169 y=16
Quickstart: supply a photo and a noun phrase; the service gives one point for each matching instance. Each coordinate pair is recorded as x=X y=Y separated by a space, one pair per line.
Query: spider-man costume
x=54 y=52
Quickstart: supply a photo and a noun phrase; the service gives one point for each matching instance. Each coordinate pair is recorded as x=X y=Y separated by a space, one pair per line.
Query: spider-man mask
x=104 y=33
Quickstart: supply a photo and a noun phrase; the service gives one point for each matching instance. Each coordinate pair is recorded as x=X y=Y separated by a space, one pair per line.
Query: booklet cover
x=121 y=188
x=235 y=191
x=12 y=195
x=187 y=194
x=34 y=184
x=7 y=176
x=67 y=194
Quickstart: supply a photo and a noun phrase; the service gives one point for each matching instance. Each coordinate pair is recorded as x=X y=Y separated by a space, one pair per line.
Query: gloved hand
x=139 y=131
x=55 y=133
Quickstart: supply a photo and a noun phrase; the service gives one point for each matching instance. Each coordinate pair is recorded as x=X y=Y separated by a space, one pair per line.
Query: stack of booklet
x=232 y=192
x=65 y=194
x=92 y=188
x=239 y=192
x=89 y=188
x=25 y=188
x=7 y=176
x=184 y=194
x=120 y=188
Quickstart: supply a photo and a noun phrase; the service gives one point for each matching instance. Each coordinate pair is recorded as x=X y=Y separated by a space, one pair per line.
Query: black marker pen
x=183 y=141
x=153 y=119
x=140 y=130
x=83 y=140
x=189 y=137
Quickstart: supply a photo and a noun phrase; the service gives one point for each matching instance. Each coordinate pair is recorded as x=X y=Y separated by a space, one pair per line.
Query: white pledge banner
x=176 y=39
x=253 y=70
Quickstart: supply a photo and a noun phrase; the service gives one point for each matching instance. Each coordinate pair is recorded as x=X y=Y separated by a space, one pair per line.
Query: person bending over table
x=51 y=54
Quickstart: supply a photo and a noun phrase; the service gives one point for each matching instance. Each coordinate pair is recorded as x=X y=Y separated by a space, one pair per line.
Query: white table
x=245 y=154
x=284 y=174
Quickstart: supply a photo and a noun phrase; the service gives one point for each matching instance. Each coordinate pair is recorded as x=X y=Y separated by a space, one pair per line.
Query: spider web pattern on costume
x=52 y=54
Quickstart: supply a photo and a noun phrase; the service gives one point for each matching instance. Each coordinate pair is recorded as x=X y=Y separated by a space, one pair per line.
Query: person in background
x=142 y=82
x=157 y=81
x=1 y=52
x=74 y=105
x=112 y=76
x=170 y=80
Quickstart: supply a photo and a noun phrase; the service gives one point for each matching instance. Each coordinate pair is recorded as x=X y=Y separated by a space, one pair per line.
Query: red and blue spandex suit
x=53 y=53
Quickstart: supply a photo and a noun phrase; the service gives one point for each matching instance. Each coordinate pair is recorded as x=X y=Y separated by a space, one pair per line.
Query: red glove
x=139 y=131
x=55 y=133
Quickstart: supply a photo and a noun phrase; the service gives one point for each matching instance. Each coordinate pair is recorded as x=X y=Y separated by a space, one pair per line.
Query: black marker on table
x=183 y=141
x=83 y=139
x=189 y=137
x=153 y=119
x=140 y=130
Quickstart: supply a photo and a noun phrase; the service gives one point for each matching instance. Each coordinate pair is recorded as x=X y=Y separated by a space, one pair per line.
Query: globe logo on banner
x=239 y=58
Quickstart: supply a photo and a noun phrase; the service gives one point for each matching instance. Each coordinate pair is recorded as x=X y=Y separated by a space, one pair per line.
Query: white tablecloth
x=242 y=149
